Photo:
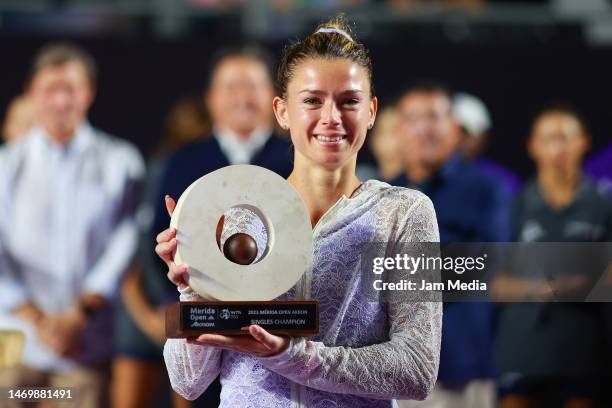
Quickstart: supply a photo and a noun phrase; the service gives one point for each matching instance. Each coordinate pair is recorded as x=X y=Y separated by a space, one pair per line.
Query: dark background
x=515 y=66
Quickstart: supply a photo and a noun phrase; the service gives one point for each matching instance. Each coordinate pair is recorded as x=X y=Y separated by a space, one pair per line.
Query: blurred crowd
x=82 y=293
x=399 y=5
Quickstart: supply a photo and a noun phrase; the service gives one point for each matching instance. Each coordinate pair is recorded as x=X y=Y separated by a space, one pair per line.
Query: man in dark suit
x=239 y=98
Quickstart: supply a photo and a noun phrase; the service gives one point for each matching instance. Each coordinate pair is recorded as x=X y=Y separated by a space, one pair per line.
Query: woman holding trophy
x=366 y=353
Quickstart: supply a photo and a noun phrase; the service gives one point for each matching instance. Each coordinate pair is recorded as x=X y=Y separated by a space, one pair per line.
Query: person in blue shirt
x=471 y=208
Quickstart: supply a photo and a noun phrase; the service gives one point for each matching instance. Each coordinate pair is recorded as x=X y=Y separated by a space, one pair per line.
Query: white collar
x=80 y=141
x=239 y=150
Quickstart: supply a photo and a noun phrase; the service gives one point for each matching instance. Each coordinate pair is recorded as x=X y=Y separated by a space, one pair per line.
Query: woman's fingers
x=243 y=344
x=166 y=245
x=178 y=274
x=273 y=343
x=260 y=343
x=166 y=235
x=170 y=204
x=218 y=339
x=222 y=344
x=165 y=250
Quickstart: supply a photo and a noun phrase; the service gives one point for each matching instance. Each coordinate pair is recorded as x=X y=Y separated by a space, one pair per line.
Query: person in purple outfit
x=599 y=167
x=366 y=353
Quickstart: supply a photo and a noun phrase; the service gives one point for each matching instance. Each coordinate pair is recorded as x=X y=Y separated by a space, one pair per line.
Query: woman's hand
x=260 y=343
x=166 y=244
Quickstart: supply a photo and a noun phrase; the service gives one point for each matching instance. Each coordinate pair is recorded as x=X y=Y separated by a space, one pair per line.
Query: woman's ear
x=280 y=112
x=373 y=110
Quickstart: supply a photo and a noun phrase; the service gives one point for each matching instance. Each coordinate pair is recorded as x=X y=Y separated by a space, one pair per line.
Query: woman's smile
x=331 y=139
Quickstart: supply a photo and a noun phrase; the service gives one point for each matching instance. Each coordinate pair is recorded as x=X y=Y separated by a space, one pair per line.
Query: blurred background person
x=19 y=118
x=470 y=208
x=68 y=192
x=139 y=373
x=475 y=124
x=554 y=354
x=384 y=146
x=238 y=98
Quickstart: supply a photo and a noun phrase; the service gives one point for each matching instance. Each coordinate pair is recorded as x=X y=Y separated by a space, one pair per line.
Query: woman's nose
x=330 y=114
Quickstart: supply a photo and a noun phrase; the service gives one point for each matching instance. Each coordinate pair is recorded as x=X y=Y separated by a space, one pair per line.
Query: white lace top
x=366 y=353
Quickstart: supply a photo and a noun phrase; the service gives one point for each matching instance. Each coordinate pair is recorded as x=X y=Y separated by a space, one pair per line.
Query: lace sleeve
x=404 y=367
x=193 y=367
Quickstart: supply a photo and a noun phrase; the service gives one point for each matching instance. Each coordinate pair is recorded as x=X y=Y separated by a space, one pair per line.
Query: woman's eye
x=351 y=101
x=311 y=101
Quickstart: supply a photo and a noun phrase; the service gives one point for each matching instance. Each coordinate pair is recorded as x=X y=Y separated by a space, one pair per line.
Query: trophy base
x=291 y=318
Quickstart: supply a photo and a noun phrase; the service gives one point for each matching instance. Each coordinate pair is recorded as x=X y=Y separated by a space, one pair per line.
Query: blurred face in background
x=61 y=96
x=383 y=142
x=427 y=132
x=473 y=145
x=240 y=95
x=558 y=142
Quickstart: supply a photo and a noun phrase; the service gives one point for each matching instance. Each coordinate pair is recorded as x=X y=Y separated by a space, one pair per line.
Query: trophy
x=238 y=288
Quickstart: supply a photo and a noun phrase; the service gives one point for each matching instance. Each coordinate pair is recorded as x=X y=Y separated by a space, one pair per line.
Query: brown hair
x=429 y=86
x=328 y=45
x=562 y=108
x=57 y=54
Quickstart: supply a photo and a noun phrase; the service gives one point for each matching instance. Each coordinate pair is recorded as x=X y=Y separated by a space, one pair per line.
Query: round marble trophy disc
x=289 y=249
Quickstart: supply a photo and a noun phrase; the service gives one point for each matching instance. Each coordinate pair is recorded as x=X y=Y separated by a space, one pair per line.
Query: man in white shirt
x=67 y=233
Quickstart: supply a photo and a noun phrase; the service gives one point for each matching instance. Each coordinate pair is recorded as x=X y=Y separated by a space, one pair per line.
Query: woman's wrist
x=284 y=354
x=187 y=294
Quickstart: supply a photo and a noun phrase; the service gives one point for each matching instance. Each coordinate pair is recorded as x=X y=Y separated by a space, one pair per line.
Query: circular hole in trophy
x=244 y=234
